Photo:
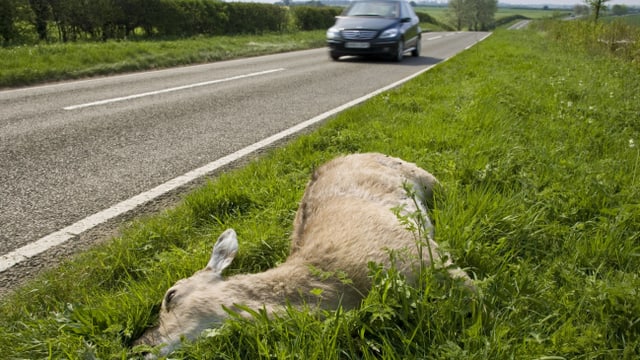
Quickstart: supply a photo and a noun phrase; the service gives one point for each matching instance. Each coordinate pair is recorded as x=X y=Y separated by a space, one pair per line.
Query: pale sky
x=567 y=2
x=609 y=3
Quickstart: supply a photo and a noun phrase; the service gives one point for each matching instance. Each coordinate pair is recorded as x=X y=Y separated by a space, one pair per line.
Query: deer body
x=345 y=220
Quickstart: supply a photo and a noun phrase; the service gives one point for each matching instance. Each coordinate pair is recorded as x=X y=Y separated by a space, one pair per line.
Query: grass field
x=28 y=65
x=537 y=150
x=629 y=19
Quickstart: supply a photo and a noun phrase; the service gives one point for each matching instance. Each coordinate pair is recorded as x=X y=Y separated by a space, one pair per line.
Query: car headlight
x=389 y=33
x=333 y=33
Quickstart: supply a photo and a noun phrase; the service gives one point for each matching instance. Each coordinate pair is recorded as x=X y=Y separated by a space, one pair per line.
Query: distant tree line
x=619 y=10
x=597 y=7
x=474 y=15
x=72 y=20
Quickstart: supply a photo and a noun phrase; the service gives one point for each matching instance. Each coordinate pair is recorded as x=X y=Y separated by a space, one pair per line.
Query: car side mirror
x=405 y=20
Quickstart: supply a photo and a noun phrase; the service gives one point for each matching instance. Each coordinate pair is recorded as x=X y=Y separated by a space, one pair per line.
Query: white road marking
x=477 y=41
x=61 y=236
x=434 y=37
x=163 y=91
x=519 y=25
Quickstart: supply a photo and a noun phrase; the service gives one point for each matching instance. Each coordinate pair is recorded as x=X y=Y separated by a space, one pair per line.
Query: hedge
x=71 y=20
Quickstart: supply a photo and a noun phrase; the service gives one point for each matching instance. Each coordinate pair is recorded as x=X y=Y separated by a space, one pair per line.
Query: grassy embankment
x=441 y=13
x=537 y=148
x=52 y=62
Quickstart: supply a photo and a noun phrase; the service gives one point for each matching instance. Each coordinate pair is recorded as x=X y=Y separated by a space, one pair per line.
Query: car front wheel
x=399 y=51
x=416 y=51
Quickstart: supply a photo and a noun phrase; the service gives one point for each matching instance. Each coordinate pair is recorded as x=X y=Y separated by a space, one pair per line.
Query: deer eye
x=169 y=296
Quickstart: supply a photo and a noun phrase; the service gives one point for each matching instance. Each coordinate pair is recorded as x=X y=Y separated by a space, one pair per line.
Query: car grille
x=359 y=34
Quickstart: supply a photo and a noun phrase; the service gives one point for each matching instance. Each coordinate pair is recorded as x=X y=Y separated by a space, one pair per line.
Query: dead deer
x=349 y=216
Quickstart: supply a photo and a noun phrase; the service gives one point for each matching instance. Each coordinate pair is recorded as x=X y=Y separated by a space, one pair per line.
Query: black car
x=375 y=27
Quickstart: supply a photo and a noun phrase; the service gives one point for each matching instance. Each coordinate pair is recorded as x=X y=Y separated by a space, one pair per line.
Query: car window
x=407 y=11
x=381 y=9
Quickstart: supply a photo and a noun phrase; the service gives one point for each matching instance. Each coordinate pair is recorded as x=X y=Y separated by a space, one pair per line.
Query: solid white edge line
x=480 y=40
x=61 y=236
x=163 y=91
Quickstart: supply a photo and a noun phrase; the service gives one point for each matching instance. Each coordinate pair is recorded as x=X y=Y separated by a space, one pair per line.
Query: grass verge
x=442 y=13
x=26 y=65
x=536 y=147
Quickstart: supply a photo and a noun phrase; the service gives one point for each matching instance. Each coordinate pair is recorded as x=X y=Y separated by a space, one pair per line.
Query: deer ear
x=224 y=251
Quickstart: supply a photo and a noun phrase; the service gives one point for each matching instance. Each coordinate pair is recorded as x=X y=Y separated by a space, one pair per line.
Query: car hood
x=362 y=22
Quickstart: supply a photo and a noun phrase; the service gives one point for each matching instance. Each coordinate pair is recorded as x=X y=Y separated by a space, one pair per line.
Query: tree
x=7 y=19
x=484 y=14
x=474 y=14
x=580 y=10
x=42 y=13
x=619 y=10
x=458 y=13
x=597 y=6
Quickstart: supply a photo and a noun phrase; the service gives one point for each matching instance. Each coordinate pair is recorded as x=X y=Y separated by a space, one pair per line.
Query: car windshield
x=379 y=9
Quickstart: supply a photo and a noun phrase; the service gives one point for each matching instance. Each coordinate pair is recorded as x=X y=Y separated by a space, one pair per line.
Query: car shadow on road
x=407 y=61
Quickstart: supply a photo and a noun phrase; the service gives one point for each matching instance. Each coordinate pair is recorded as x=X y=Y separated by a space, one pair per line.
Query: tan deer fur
x=345 y=220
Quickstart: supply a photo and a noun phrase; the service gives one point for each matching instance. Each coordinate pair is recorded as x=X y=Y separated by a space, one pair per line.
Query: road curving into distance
x=79 y=157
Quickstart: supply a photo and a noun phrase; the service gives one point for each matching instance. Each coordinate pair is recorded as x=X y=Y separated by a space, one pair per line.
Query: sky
x=567 y=2
x=519 y=2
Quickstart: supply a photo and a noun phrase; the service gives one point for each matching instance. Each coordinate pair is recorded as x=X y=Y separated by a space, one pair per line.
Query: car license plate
x=357 y=45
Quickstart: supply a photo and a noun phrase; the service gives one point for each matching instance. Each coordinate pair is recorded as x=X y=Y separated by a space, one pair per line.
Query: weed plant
x=536 y=148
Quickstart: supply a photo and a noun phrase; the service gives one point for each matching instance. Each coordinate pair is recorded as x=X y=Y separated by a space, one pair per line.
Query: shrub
x=315 y=18
x=253 y=18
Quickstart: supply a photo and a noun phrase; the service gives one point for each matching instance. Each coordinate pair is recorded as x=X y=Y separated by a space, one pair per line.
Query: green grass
x=632 y=19
x=537 y=149
x=440 y=13
x=25 y=65
x=531 y=13
x=617 y=38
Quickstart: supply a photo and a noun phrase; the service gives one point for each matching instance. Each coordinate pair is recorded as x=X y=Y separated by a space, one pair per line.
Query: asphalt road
x=73 y=149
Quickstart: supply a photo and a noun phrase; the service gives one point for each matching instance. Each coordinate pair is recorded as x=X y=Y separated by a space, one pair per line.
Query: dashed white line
x=163 y=91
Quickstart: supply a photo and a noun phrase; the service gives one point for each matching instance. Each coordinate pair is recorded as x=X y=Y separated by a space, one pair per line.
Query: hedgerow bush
x=73 y=20
x=314 y=18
